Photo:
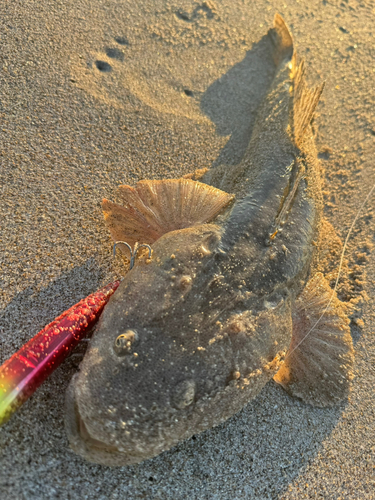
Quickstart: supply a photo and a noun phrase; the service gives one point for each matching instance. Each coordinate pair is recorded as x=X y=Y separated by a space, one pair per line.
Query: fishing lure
x=28 y=368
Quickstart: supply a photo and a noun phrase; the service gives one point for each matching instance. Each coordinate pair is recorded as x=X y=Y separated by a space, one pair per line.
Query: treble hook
x=133 y=252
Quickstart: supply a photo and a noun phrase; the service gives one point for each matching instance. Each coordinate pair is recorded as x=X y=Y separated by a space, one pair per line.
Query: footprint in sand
x=121 y=74
x=115 y=53
x=103 y=66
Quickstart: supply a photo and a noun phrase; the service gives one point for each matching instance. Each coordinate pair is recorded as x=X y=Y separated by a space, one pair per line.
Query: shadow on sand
x=231 y=101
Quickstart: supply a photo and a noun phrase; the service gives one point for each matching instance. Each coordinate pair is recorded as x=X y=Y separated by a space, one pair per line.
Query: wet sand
x=94 y=94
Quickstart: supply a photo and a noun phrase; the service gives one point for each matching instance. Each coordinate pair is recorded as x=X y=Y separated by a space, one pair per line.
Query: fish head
x=160 y=366
x=139 y=375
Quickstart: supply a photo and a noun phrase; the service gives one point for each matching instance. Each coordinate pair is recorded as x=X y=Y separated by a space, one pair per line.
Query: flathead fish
x=230 y=298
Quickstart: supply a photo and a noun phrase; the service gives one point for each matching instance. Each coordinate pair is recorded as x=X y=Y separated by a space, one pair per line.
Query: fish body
x=194 y=333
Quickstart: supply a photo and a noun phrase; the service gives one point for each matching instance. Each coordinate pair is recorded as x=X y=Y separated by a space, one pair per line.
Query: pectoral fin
x=154 y=208
x=319 y=364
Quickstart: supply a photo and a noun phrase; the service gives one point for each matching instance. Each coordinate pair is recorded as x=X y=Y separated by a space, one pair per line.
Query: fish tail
x=282 y=41
x=304 y=100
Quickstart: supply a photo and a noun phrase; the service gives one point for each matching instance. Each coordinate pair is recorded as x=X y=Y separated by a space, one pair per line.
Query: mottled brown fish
x=227 y=300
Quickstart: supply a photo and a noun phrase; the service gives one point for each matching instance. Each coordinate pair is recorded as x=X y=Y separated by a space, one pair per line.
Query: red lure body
x=28 y=368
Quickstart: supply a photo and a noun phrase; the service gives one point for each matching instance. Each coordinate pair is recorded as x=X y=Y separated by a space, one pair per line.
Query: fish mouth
x=131 y=449
x=83 y=443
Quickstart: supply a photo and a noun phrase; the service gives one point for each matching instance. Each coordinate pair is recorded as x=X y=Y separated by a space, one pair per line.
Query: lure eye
x=124 y=342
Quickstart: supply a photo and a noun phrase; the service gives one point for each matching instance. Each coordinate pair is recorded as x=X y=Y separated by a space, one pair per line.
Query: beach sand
x=98 y=93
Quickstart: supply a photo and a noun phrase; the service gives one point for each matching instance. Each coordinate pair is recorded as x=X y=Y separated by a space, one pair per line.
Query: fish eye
x=184 y=394
x=124 y=342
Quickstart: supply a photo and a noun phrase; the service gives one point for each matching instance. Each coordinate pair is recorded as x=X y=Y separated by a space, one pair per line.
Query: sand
x=97 y=93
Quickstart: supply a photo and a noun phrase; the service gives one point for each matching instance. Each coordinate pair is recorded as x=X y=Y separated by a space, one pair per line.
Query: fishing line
x=338 y=273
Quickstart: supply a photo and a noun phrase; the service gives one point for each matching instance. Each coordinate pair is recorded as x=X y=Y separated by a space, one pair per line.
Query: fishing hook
x=133 y=252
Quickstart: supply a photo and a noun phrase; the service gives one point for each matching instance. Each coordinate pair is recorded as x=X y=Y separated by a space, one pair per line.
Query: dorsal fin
x=305 y=102
x=154 y=208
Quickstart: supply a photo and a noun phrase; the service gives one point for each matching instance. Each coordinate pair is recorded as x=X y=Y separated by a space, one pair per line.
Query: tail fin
x=282 y=40
x=304 y=99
